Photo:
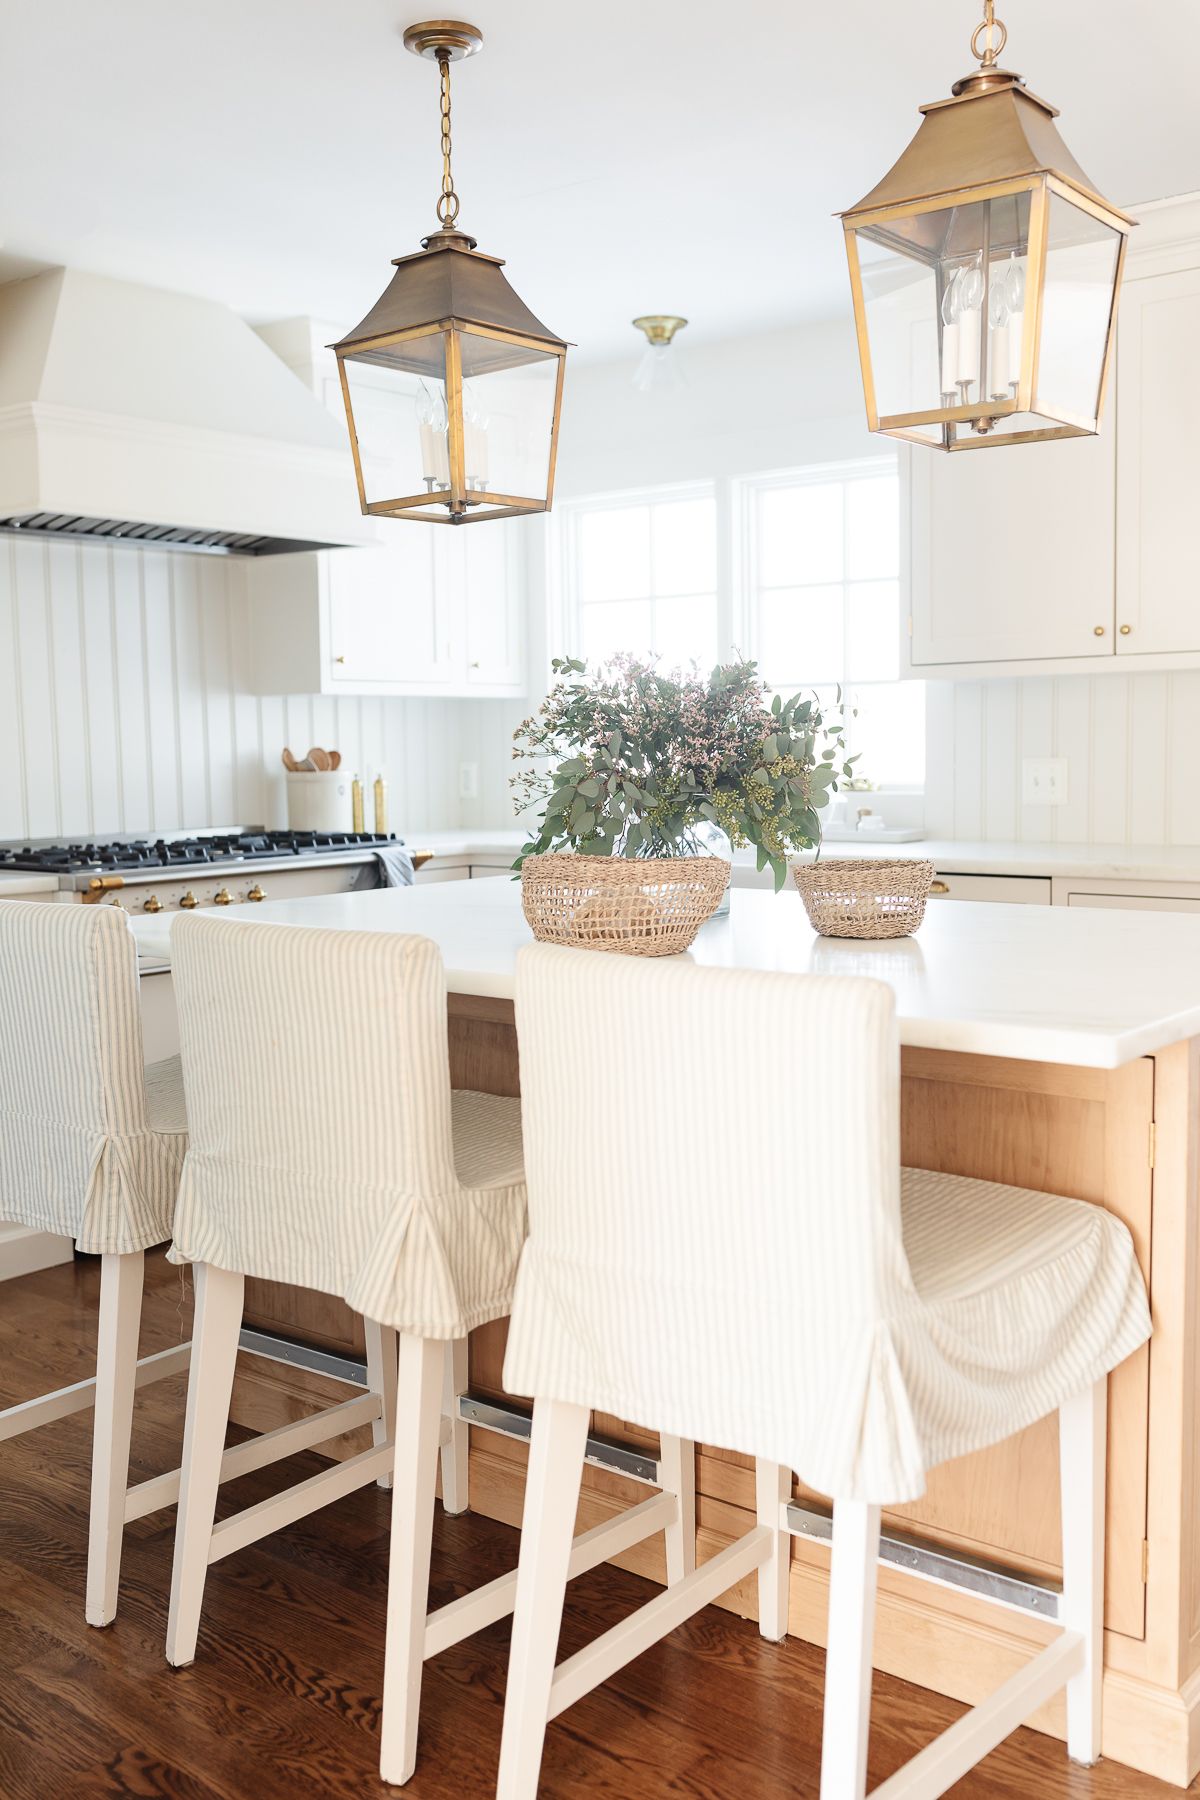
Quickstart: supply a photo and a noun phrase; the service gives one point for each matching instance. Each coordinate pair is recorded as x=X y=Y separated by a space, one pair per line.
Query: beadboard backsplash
x=122 y=707
x=1131 y=742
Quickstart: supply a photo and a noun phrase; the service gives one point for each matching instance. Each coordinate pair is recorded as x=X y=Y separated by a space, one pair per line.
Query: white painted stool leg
x=382 y=1352
x=547 y=1528
x=116 y=1370
x=773 y=1489
x=677 y=1467
x=218 y=1317
x=418 y=1430
x=852 y=1584
x=1083 y=1433
x=456 y=1492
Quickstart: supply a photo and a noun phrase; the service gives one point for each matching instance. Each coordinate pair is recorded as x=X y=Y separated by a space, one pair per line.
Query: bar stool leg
x=418 y=1430
x=1083 y=1434
x=116 y=1371
x=773 y=1488
x=677 y=1467
x=218 y=1318
x=382 y=1352
x=852 y=1584
x=456 y=1492
x=547 y=1527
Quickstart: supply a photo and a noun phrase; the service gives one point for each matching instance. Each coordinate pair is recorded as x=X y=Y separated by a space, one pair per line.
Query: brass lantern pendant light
x=985 y=269
x=452 y=387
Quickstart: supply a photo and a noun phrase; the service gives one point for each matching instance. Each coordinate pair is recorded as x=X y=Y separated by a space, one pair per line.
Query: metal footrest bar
x=303 y=1356
x=949 y=1568
x=510 y=1421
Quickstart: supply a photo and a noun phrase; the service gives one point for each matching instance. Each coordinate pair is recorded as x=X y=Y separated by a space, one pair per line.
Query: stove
x=223 y=867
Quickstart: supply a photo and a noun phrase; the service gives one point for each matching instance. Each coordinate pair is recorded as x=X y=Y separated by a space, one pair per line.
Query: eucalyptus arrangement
x=631 y=760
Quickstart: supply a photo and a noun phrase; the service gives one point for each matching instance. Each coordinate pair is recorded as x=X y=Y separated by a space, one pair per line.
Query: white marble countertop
x=1095 y=988
x=961 y=856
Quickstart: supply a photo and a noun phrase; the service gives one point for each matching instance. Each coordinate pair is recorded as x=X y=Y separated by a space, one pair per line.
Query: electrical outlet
x=468 y=781
x=1044 y=780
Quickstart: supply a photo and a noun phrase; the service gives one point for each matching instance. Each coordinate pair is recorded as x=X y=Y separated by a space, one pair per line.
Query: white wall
x=1132 y=744
x=122 y=706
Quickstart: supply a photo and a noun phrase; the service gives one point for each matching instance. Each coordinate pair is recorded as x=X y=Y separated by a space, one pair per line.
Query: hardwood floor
x=282 y=1700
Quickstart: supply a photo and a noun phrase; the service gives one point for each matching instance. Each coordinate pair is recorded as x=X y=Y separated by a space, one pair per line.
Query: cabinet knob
x=339 y=659
x=256 y=893
x=224 y=898
x=474 y=665
x=188 y=900
x=939 y=887
x=1099 y=630
x=152 y=905
x=1125 y=630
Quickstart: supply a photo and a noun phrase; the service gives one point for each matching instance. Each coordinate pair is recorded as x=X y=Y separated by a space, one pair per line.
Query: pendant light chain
x=988 y=30
x=447 y=206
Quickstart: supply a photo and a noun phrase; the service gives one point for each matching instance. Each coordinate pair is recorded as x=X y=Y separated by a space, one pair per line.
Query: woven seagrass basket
x=640 y=906
x=870 y=898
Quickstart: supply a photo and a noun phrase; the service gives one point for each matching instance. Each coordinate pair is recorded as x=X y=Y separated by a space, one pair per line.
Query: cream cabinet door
x=489 y=570
x=1158 y=405
x=391 y=619
x=1011 y=553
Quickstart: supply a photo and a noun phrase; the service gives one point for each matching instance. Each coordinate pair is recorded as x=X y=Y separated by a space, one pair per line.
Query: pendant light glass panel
x=396 y=399
x=1082 y=255
x=509 y=410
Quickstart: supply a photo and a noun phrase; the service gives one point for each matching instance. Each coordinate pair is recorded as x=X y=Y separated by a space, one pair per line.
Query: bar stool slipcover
x=722 y=1245
x=91 y=1148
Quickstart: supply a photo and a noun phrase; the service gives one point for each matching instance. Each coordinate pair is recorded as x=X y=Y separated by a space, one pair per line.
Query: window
x=822 y=604
x=641 y=575
x=815 y=595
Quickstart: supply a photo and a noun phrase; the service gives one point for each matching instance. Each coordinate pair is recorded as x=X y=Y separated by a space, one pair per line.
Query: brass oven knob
x=117 y=902
x=224 y=898
x=188 y=900
x=153 y=904
x=256 y=893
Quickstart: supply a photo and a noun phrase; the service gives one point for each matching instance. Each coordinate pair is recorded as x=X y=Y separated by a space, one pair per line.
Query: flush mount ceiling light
x=659 y=371
x=453 y=388
x=985 y=269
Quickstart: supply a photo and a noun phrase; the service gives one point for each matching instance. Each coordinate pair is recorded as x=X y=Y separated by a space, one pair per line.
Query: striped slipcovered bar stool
x=328 y=1150
x=835 y=1316
x=91 y=1146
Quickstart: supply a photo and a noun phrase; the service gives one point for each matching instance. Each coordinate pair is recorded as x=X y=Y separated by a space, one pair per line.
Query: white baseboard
x=22 y=1250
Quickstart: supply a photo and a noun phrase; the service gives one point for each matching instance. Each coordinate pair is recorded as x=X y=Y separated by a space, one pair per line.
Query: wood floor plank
x=283 y=1698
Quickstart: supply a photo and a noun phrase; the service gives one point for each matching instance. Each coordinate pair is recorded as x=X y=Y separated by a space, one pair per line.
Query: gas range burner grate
x=129 y=855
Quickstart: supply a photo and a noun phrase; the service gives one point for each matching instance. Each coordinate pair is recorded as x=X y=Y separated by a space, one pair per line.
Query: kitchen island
x=1047 y=1048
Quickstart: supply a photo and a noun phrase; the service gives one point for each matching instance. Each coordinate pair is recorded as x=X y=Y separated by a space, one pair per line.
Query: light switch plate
x=468 y=781
x=1044 y=780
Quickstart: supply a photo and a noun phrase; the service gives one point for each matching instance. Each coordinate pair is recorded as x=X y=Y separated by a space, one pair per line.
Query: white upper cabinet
x=1158 y=412
x=1078 y=555
x=430 y=610
x=424 y=613
x=1011 y=553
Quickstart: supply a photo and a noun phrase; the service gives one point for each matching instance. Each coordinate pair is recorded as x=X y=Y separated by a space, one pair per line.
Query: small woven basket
x=850 y=898
x=640 y=906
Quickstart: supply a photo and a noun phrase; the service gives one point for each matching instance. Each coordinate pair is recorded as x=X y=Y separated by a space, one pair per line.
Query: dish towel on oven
x=395 y=866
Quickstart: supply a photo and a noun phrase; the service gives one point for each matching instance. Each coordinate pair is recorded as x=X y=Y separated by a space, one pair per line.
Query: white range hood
x=131 y=414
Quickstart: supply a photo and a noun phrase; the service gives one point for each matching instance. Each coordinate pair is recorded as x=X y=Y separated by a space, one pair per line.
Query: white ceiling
x=632 y=156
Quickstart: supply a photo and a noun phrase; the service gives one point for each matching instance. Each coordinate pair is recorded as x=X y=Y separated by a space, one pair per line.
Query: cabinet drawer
x=481 y=870
x=1138 y=902
x=1021 y=890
